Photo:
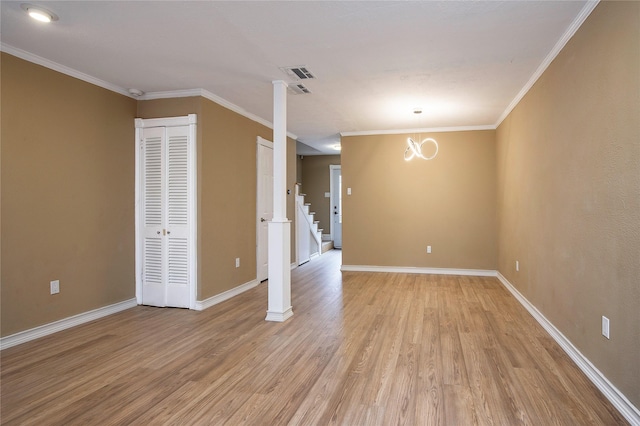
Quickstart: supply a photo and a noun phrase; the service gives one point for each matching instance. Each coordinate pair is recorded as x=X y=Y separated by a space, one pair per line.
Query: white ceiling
x=463 y=62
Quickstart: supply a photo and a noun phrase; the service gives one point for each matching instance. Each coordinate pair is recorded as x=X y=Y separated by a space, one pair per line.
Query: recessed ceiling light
x=39 y=13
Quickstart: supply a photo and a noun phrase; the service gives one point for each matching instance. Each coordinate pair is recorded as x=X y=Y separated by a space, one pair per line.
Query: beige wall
x=397 y=208
x=315 y=182
x=226 y=189
x=67 y=196
x=569 y=192
x=67 y=182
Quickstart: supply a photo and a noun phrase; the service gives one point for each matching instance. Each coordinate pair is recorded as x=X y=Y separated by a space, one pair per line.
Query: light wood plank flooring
x=361 y=349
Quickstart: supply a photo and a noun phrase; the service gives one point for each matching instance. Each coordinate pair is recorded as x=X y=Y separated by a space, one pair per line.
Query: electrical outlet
x=429 y=249
x=605 y=327
x=54 y=286
x=517 y=266
x=237 y=262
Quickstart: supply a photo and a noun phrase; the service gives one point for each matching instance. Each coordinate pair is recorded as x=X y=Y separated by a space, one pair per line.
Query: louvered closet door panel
x=153 y=217
x=177 y=210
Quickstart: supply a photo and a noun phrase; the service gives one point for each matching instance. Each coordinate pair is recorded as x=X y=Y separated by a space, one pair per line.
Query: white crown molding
x=63 y=324
x=213 y=98
x=577 y=23
x=417 y=270
x=617 y=398
x=424 y=130
x=27 y=56
x=201 y=305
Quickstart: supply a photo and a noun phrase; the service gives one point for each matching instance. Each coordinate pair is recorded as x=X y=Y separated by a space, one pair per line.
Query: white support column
x=280 y=227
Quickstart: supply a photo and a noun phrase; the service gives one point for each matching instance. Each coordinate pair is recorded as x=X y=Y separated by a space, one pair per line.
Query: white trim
x=201 y=305
x=279 y=316
x=425 y=130
x=186 y=120
x=617 y=398
x=293 y=265
x=138 y=212
x=63 y=324
x=577 y=23
x=27 y=56
x=264 y=142
x=192 y=200
x=185 y=93
x=418 y=270
x=213 y=98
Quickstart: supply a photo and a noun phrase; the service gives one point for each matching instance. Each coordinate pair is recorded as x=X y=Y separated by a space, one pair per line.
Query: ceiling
x=464 y=63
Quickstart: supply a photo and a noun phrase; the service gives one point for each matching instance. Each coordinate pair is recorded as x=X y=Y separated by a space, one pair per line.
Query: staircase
x=308 y=235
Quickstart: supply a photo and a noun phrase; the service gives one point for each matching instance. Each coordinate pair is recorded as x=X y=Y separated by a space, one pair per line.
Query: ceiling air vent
x=300 y=72
x=298 y=89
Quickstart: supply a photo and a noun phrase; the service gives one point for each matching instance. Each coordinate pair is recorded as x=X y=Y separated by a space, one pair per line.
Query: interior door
x=336 y=205
x=177 y=217
x=264 y=205
x=165 y=216
x=152 y=150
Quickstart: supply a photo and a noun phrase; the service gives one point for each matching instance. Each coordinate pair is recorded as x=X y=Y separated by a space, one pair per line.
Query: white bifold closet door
x=165 y=216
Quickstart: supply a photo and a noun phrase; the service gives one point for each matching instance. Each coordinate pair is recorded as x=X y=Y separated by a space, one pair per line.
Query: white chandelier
x=414 y=149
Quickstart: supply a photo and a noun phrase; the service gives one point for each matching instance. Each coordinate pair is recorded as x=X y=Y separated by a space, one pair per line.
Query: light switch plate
x=605 y=327
x=54 y=286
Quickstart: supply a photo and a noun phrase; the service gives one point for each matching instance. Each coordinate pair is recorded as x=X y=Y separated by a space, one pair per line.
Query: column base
x=279 y=316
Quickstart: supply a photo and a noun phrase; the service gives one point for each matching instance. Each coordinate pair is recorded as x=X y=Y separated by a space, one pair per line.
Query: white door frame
x=268 y=144
x=191 y=121
x=332 y=168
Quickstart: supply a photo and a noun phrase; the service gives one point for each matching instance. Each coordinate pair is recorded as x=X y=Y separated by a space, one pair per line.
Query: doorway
x=335 y=178
x=264 y=205
x=165 y=212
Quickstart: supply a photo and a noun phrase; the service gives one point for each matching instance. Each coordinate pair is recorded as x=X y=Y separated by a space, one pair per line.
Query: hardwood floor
x=361 y=349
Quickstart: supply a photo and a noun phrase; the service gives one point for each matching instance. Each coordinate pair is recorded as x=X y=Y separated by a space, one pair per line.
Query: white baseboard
x=417 y=270
x=201 y=305
x=617 y=398
x=63 y=324
x=293 y=266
